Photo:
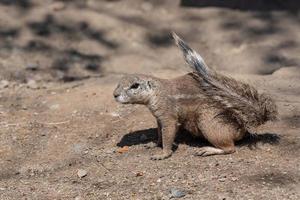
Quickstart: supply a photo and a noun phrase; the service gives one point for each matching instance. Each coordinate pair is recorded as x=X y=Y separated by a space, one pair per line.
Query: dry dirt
x=61 y=62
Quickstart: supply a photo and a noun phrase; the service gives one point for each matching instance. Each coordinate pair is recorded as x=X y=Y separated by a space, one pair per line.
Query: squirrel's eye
x=135 y=86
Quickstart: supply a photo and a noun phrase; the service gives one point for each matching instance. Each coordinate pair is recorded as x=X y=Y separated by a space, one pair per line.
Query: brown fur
x=204 y=102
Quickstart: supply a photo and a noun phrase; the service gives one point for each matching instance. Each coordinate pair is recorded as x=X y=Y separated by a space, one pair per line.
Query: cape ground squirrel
x=204 y=102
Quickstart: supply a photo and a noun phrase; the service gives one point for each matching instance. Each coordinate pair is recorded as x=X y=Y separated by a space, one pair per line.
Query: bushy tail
x=237 y=100
x=195 y=61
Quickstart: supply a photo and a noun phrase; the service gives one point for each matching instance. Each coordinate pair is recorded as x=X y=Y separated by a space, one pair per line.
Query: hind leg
x=221 y=135
x=209 y=151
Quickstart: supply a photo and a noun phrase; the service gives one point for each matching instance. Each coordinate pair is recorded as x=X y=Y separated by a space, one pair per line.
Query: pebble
x=43 y=133
x=4 y=84
x=234 y=178
x=176 y=193
x=81 y=173
x=32 y=66
x=222 y=179
x=54 y=106
x=77 y=198
x=32 y=84
x=114 y=114
x=110 y=151
x=139 y=174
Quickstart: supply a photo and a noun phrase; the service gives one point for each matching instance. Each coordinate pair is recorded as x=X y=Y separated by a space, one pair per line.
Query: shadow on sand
x=258 y=5
x=150 y=135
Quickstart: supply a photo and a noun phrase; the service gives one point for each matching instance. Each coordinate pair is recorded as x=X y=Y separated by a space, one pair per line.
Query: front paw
x=162 y=156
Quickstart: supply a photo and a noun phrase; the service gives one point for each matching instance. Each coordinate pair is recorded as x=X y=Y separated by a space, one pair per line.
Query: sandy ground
x=62 y=135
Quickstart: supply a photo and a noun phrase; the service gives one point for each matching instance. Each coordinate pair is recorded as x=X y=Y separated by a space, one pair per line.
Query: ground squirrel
x=204 y=102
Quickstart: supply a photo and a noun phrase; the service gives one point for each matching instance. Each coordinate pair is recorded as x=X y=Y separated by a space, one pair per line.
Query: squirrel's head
x=134 y=89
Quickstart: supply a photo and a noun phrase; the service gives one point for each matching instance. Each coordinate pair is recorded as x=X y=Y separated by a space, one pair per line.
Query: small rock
x=139 y=174
x=75 y=112
x=141 y=190
x=32 y=84
x=4 y=84
x=81 y=173
x=234 y=178
x=115 y=114
x=43 y=133
x=54 y=106
x=32 y=66
x=222 y=179
x=176 y=193
x=77 y=198
x=109 y=151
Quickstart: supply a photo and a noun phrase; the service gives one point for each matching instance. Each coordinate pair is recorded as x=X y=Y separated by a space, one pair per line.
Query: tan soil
x=77 y=51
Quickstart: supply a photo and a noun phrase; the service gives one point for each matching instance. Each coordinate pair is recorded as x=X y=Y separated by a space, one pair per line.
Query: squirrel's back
x=237 y=101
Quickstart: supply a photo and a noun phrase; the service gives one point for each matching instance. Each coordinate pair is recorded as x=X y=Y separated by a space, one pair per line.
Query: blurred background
x=71 y=40
x=62 y=134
